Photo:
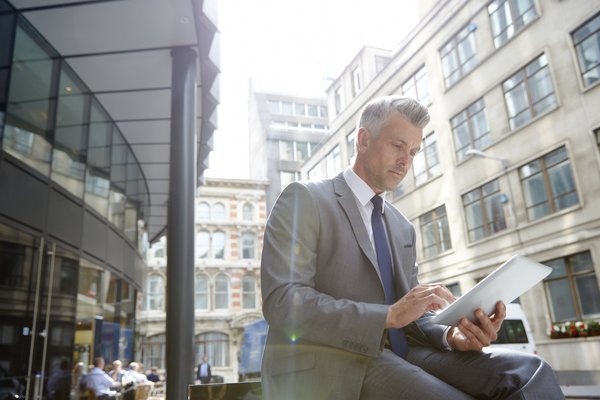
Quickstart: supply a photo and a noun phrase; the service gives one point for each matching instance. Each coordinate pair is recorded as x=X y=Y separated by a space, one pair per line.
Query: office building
x=510 y=162
x=91 y=95
x=284 y=131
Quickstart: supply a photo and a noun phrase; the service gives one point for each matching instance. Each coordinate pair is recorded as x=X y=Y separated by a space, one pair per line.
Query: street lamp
x=478 y=153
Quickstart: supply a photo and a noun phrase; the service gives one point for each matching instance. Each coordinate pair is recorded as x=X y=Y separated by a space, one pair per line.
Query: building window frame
x=222 y=292
x=248 y=292
x=426 y=163
x=201 y=292
x=435 y=232
x=572 y=277
x=417 y=86
x=523 y=103
x=538 y=174
x=459 y=55
x=470 y=129
x=156 y=293
x=587 y=46
x=512 y=21
x=484 y=210
x=248 y=245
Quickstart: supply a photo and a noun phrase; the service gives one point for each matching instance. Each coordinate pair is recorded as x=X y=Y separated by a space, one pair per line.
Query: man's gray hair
x=376 y=112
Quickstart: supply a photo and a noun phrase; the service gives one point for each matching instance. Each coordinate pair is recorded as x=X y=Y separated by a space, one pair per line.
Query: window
x=295 y=151
x=299 y=109
x=273 y=107
x=381 y=62
x=435 y=232
x=572 y=288
x=339 y=100
x=218 y=212
x=302 y=150
x=398 y=192
x=70 y=136
x=288 y=177
x=356 y=81
x=470 y=129
x=313 y=110
x=484 y=211
x=548 y=184
x=286 y=108
x=286 y=150
x=454 y=288
x=511 y=331
x=426 y=163
x=218 y=245
x=203 y=211
x=248 y=212
x=417 y=87
x=221 y=292
x=509 y=17
x=315 y=173
x=153 y=350
x=458 y=55
x=248 y=292
x=215 y=345
x=202 y=244
x=248 y=245
x=333 y=162
x=156 y=293
x=201 y=292
x=351 y=146
x=587 y=45
x=529 y=92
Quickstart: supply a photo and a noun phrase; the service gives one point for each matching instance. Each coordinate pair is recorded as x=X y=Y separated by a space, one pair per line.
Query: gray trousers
x=431 y=374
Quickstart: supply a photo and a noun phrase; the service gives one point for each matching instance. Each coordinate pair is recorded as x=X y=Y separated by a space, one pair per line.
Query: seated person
x=117 y=372
x=131 y=379
x=153 y=375
x=99 y=381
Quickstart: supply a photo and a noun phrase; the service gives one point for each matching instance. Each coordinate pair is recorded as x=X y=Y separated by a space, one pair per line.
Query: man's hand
x=416 y=302
x=469 y=336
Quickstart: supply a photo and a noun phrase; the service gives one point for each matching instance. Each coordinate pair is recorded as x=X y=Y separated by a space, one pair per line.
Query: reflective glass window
x=30 y=102
x=587 y=45
x=97 y=180
x=68 y=155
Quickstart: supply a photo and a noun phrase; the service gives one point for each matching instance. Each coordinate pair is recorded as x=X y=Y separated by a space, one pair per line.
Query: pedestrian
x=204 y=373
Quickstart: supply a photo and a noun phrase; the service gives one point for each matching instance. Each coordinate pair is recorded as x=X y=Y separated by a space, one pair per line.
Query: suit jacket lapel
x=347 y=201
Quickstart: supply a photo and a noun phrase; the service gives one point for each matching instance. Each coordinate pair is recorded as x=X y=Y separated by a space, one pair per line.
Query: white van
x=515 y=332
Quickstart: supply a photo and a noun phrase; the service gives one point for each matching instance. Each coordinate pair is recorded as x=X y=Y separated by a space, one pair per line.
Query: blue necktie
x=397 y=337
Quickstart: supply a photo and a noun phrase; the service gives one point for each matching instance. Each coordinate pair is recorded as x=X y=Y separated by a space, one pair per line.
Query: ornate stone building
x=230 y=220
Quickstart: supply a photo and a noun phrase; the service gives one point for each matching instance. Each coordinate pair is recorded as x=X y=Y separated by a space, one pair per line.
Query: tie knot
x=377 y=202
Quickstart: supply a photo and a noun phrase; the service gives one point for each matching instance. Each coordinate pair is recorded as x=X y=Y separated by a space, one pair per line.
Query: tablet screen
x=505 y=283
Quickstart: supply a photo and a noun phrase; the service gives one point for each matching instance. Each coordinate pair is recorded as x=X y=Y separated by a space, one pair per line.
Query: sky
x=291 y=47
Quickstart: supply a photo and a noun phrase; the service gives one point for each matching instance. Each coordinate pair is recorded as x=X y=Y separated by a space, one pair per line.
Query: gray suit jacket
x=322 y=294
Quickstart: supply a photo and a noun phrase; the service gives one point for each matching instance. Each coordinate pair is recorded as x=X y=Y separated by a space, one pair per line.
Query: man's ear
x=362 y=139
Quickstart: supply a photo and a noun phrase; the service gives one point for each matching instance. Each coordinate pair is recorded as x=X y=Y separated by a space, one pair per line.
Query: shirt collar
x=360 y=188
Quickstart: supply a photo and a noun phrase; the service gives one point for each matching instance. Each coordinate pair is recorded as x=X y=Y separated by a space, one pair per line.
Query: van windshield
x=512 y=331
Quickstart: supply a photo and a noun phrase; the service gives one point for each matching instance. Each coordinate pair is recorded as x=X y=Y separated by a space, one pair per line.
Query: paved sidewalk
x=581 y=391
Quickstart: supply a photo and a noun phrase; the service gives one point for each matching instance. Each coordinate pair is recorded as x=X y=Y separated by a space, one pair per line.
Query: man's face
x=383 y=161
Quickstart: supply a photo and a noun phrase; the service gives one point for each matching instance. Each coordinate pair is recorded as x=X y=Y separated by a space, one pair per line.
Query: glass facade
x=63 y=298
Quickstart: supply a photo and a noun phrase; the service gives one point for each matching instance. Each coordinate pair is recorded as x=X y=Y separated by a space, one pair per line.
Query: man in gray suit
x=347 y=317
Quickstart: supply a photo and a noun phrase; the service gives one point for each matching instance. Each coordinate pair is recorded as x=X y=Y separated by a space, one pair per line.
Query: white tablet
x=505 y=283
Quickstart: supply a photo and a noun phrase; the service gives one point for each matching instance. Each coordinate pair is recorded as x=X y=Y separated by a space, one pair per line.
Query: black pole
x=180 y=226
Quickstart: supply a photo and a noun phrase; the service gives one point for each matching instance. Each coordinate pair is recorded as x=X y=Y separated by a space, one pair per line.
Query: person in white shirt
x=100 y=382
